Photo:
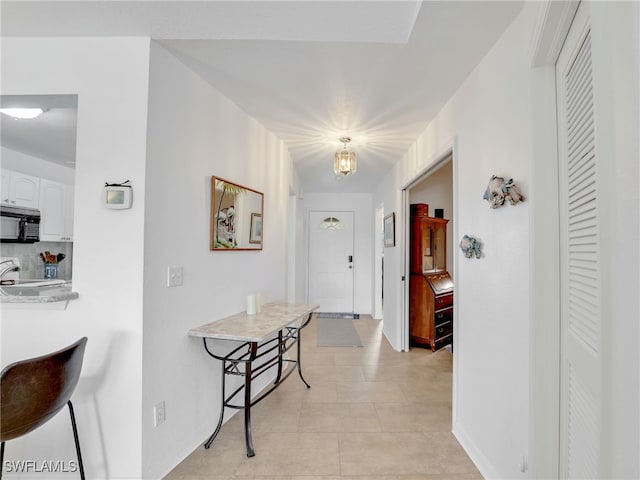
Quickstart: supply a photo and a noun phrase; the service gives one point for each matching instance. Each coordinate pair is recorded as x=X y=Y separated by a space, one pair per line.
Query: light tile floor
x=371 y=413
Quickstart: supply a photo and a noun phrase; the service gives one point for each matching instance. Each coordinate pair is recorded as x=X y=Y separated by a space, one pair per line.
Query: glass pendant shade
x=345 y=160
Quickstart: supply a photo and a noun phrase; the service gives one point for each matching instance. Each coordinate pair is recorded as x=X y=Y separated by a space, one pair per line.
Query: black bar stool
x=33 y=391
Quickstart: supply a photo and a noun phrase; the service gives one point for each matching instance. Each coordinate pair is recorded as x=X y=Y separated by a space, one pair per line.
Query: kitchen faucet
x=7 y=266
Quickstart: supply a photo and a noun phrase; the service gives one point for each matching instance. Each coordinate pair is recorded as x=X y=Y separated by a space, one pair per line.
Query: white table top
x=255 y=328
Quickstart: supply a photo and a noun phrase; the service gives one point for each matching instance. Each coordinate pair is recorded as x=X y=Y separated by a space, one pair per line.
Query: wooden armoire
x=430 y=285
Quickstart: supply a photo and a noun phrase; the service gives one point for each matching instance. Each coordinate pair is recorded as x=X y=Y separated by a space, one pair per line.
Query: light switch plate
x=175 y=276
x=159 y=414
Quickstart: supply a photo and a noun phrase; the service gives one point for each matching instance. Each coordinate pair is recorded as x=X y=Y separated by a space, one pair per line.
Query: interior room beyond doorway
x=430 y=300
x=436 y=190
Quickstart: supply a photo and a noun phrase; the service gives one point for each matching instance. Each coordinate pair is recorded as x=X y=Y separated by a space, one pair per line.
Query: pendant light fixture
x=345 y=160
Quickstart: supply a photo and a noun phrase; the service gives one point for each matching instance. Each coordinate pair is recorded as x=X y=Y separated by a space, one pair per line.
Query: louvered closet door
x=581 y=355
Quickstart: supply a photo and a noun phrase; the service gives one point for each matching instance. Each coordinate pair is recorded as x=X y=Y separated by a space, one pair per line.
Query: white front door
x=331 y=261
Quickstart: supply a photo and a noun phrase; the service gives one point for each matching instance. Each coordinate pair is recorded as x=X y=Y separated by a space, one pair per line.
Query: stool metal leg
x=75 y=437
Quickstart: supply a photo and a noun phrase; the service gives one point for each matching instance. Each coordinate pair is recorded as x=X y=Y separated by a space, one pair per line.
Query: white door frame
x=552 y=27
x=450 y=151
x=406 y=271
x=291 y=248
x=378 y=259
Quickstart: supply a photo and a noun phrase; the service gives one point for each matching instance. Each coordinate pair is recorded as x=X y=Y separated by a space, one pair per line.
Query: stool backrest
x=32 y=391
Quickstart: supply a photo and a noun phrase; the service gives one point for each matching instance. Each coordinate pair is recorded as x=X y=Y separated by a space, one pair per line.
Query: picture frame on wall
x=255 y=234
x=235 y=207
x=390 y=230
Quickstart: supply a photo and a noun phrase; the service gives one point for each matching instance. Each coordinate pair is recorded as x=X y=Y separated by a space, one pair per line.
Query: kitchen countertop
x=32 y=294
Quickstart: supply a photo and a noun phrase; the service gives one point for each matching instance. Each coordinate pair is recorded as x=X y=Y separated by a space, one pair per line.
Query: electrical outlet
x=159 y=414
x=175 y=276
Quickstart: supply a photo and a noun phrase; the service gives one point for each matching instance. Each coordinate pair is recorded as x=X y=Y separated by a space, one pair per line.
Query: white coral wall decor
x=500 y=190
x=471 y=247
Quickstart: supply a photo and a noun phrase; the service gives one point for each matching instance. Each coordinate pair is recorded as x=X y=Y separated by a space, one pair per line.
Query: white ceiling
x=309 y=71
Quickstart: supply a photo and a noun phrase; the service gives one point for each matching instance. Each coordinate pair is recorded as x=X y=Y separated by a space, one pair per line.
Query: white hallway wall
x=362 y=206
x=495 y=122
x=489 y=117
x=110 y=77
x=195 y=132
x=486 y=122
x=389 y=194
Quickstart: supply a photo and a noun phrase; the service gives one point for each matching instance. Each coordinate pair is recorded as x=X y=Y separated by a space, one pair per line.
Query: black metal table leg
x=298 y=364
x=207 y=444
x=247 y=400
x=280 y=354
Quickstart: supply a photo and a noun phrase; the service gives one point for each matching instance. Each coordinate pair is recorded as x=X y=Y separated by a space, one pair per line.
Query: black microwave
x=19 y=224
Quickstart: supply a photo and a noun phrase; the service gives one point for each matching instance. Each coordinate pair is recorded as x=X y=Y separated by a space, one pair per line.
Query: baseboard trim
x=481 y=462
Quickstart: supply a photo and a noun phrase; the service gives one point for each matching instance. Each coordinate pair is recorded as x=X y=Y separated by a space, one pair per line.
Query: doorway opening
x=38 y=172
x=429 y=245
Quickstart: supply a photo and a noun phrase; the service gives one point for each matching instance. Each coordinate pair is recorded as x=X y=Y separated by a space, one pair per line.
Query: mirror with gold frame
x=236 y=216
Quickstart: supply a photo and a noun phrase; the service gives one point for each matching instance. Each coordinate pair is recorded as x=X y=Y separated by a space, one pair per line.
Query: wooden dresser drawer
x=441 y=342
x=442 y=316
x=443 y=301
x=444 y=330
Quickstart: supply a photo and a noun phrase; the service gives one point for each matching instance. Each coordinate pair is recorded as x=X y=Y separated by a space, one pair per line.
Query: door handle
x=350 y=258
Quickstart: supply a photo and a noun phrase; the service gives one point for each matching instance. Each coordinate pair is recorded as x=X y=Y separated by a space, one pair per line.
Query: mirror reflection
x=236 y=216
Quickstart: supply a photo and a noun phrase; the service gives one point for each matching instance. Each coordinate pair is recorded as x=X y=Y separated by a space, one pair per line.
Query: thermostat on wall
x=117 y=196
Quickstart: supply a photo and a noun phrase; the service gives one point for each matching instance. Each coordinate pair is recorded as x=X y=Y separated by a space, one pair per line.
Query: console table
x=264 y=339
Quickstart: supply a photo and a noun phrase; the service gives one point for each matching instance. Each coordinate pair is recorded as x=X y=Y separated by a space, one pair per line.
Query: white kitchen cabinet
x=20 y=189
x=56 y=210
